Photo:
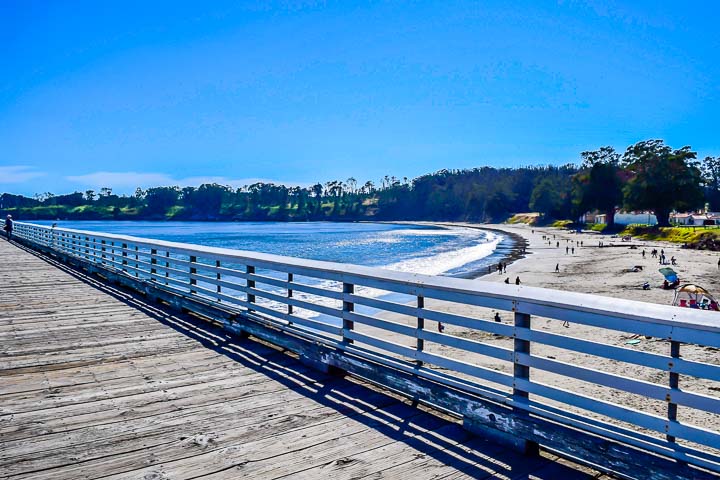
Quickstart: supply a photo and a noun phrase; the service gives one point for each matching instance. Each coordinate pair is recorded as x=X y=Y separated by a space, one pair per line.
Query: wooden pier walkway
x=97 y=383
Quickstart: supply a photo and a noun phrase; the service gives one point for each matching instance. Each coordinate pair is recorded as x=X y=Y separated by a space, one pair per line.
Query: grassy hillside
x=704 y=238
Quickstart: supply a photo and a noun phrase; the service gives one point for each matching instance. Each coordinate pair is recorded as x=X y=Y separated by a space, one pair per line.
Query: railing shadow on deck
x=444 y=441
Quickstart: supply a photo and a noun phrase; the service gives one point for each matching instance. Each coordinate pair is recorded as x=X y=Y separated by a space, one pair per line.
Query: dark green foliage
x=650 y=176
x=159 y=199
x=711 y=173
x=598 y=186
x=662 y=179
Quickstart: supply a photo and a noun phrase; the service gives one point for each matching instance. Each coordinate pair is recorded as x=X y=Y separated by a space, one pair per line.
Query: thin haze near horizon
x=126 y=94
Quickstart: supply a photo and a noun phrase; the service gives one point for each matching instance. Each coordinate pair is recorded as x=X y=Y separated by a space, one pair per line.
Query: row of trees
x=648 y=176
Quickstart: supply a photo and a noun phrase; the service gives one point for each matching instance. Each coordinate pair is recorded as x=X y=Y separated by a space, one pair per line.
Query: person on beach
x=573 y=250
x=643 y=253
x=557 y=245
x=497 y=317
x=557 y=267
x=567 y=250
x=507 y=280
x=8 y=227
x=672 y=260
x=517 y=280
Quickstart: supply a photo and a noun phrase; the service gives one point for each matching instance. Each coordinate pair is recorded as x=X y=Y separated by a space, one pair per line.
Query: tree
x=662 y=179
x=546 y=198
x=711 y=174
x=90 y=195
x=317 y=190
x=352 y=185
x=160 y=199
x=599 y=185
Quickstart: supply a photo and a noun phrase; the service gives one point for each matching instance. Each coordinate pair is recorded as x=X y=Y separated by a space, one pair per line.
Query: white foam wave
x=446 y=261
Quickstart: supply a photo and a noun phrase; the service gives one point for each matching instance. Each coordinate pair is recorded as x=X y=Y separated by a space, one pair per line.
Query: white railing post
x=250 y=270
x=193 y=270
x=289 y=293
x=348 y=325
x=124 y=256
x=674 y=384
x=420 y=345
x=218 y=277
x=520 y=372
x=153 y=262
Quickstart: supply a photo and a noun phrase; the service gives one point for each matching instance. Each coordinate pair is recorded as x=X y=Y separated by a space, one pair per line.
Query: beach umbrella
x=669 y=274
x=696 y=289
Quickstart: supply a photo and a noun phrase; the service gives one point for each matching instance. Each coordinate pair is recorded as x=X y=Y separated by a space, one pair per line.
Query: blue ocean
x=451 y=251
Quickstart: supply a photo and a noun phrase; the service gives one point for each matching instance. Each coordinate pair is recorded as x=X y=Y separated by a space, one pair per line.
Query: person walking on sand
x=517 y=280
x=573 y=250
x=643 y=253
x=8 y=227
x=567 y=250
x=557 y=267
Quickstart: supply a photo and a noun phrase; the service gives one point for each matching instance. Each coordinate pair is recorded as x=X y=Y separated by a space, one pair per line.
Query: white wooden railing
x=389 y=317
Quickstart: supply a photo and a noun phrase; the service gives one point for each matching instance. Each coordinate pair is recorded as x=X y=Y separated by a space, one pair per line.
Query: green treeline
x=648 y=176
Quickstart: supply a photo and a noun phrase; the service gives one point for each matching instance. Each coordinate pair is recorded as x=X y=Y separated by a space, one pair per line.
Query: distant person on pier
x=8 y=227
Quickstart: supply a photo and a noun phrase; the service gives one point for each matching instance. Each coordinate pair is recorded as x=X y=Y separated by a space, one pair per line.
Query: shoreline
x=518 y=250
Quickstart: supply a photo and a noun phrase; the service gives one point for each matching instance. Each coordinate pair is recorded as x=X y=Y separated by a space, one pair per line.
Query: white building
x=696 y=219
x=643 y=218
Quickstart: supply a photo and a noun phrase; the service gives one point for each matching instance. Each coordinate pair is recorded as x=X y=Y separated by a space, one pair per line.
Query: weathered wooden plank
x=98 y=434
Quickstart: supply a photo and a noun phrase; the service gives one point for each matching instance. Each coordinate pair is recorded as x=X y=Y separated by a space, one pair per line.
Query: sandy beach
x=596 y=270
x=606 y=270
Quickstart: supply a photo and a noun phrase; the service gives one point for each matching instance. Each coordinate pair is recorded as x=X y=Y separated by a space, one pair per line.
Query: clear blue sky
x=128 y=93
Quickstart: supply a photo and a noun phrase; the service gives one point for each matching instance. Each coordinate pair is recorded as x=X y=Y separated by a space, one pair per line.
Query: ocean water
x=452 y=251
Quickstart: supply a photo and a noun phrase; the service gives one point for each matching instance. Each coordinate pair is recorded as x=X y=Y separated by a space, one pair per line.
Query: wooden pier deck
x=97 y=383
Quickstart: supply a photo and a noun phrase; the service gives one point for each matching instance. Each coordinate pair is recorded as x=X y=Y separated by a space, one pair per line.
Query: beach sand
x=603 y=271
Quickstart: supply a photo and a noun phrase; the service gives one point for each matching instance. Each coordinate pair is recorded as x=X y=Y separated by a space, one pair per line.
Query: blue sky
x=120 y=94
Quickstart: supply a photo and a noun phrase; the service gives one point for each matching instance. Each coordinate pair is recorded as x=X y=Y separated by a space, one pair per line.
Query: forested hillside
x=649 y=175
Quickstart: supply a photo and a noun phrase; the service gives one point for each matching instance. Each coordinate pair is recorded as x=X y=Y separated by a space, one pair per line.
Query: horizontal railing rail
x=383 y=316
